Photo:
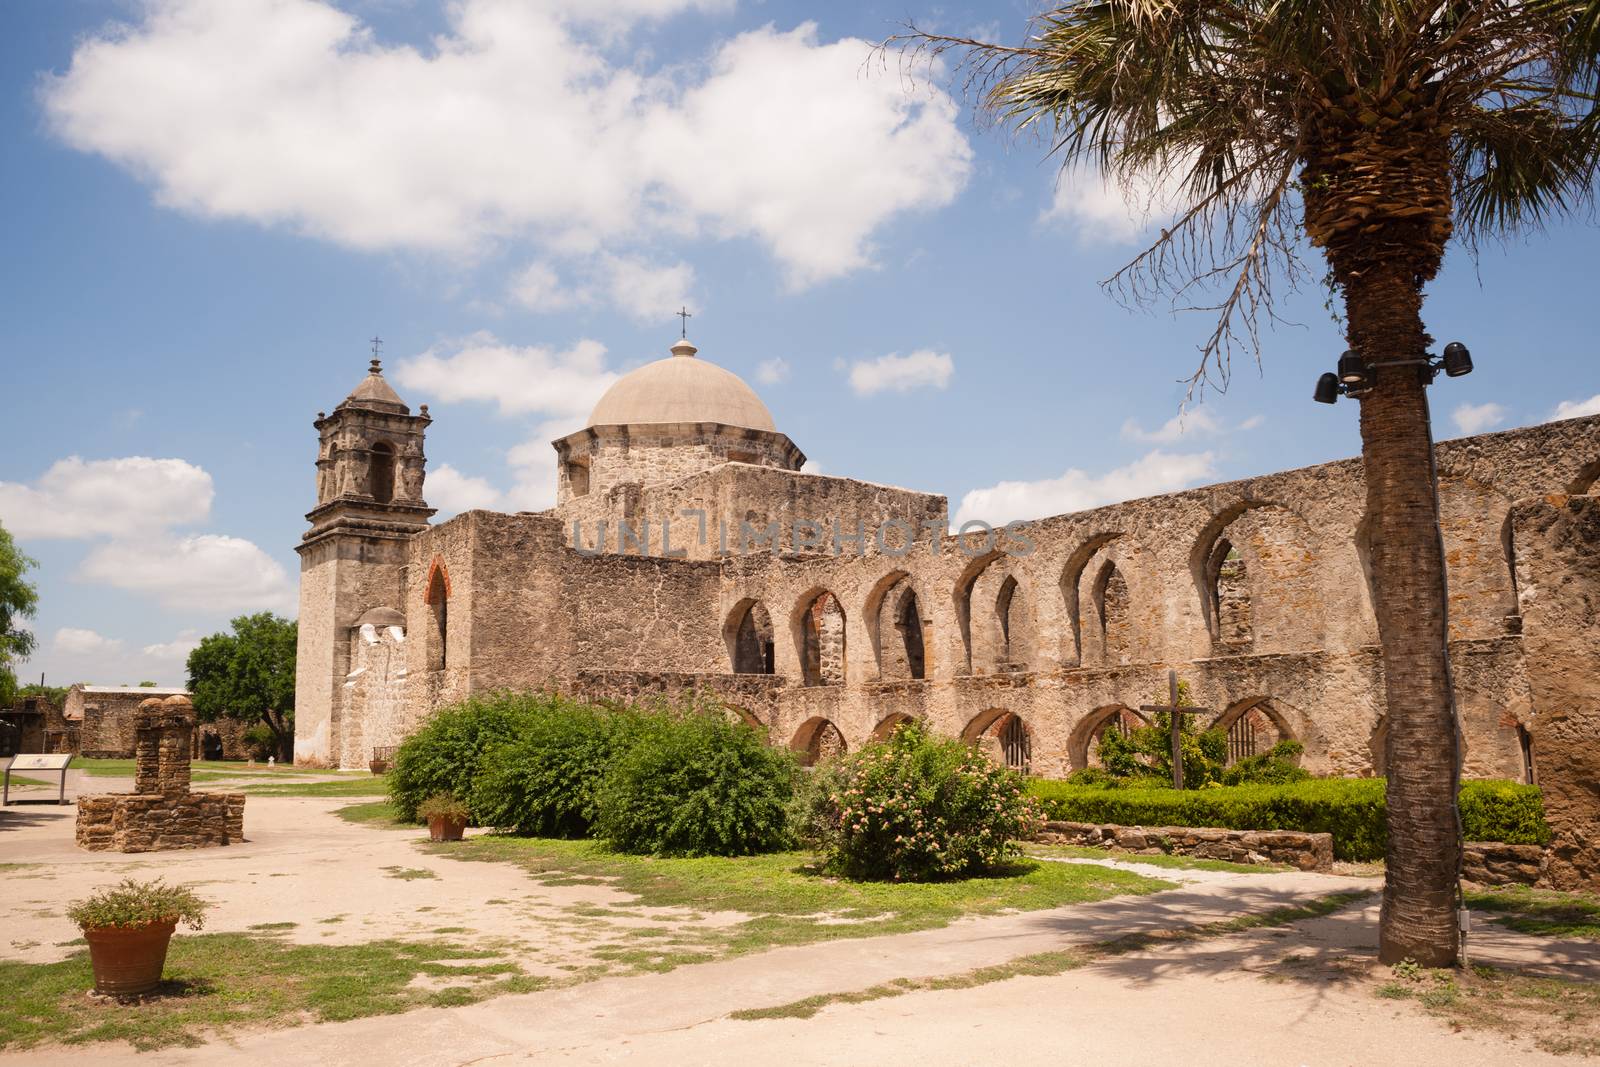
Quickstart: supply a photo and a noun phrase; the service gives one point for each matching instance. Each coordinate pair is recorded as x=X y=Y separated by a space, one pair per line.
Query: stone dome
x=682 y=388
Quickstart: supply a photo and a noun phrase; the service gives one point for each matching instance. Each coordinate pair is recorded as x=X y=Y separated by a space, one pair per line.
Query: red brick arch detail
x=438 y=568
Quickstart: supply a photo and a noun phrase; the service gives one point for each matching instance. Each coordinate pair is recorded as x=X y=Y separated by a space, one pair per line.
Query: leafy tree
x=147 y=685
x=18 y=600
x=1376 y=130
x=248 y=675
x=55 y=694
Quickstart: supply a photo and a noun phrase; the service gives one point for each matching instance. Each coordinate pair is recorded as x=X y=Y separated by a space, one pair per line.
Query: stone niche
x=161 y=813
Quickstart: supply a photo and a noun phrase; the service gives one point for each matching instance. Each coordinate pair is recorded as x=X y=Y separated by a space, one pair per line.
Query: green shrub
x=1351 y=809
x=443 y=756
x=544 y=782
x=916 y=808
x=1277 y=766
x=696 y=783
x=131 y=903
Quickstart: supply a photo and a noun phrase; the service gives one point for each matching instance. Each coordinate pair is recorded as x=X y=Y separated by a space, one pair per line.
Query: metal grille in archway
x=1241 y=739
x=1015 y=744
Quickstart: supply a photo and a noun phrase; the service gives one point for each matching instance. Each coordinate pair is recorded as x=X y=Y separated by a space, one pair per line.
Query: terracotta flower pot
x=128 y=959
x=443 y=829
x=378 y=766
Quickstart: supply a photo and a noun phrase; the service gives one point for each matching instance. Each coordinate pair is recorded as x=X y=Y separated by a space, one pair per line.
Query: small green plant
x=132 y=903
x=1409 y=970
x=443 y=806
x=916 y=808
x=1279 y=764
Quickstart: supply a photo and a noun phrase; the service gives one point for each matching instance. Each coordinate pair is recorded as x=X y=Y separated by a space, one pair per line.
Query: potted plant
x=447 y=817
x=128 y=927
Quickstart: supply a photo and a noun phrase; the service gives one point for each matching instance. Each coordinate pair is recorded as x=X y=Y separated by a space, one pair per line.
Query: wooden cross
x=1177 y=713
x=685 y=314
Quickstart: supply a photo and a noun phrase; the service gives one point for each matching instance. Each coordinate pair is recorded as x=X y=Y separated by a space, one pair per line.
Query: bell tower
x=370 y=468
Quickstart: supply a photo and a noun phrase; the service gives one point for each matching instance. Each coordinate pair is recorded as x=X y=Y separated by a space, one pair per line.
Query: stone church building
x=689 y=552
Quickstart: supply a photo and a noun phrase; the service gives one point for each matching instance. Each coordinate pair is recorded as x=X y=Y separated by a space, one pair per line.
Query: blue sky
x=208 y=209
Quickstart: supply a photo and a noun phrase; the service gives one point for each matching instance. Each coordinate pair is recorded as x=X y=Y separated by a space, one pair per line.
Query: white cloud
x=177 y=650
x=208 y=571
x=106 y=497
x=1185 y=424
x=646 y=291
x=900 y=374
x=75 y=641
x=1077 y=490
x=453 y=492
x=1254 y=422
x=513 y=124
x=1572 y=409
x=1100 y=211
x=82 y=655
x=1476 y=418
x=519 y=380
x=772 y=371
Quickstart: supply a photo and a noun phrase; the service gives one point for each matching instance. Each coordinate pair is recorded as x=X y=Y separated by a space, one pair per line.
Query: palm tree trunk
x=1384 y=308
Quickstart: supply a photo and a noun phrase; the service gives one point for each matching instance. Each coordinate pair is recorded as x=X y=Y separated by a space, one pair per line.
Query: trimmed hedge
x=1351 y=809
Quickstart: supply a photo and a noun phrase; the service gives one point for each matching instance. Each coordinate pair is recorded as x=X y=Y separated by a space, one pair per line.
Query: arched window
x=1111 y=611
x=1004 y=736
x=439 y=604
x=908 y=626
x=380 y=473
x=822 y=636
x=1229 y=588
x=750 y=643
x=816 y=740
x=1002 y=612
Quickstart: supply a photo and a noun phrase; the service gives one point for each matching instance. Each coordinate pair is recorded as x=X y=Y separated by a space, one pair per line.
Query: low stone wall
x=1496 y=863
x=144 y=822
x=1308 y=852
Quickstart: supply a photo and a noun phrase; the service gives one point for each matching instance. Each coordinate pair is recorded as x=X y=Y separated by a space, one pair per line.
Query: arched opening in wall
x=1111 y=613
x=438 y=601
x=1530 y=773
x=885 y=729
x=1254 y=725
x=821 y=637
x=1378 y=746
x=1255 y=565
x=380 y=473
x=1003 y=737
x=817 y=739
x=751 y=647
x=1083 y=743
x=1010 y=654
x=1509 y=548
x=961 y=596
x=1228 y=585
x=1072 y=599
x=894 y=627
x=210 y=745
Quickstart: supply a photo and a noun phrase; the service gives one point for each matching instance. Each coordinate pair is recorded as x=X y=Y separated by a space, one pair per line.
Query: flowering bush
x=916 y=808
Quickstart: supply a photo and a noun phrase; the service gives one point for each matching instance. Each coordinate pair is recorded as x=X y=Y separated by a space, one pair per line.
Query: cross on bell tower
x=684 y=314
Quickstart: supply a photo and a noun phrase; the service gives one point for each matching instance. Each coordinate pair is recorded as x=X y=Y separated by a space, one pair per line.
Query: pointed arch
x=1255 y=567
x=1253 y=726
x=749 y=636
x=1071 y=580
x=818 y=627
x=437 y=598
x=1004 y=737
x=893 y=614
x=817 y=739
x=890 y=723
x=1083 y=742
x=961 y=597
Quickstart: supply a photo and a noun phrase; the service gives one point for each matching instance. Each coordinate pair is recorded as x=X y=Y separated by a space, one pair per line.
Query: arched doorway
x=751 y=648
x=1003 y=736
x=817 y=739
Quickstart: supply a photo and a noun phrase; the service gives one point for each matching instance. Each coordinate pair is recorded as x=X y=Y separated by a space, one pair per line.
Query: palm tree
x=1377 y=130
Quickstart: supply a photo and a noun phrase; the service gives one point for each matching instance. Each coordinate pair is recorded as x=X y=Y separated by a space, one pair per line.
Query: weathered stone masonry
x=161 y=813
x=1255 y=591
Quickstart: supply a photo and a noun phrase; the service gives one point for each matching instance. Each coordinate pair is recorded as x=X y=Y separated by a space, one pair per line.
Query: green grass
x=1045 y=964
x=785 y=894
x=1179 y=863
x=217 y=983
x=1541 y=912
x=200 y=770
x=1560 y=1015
x=410 y=874
x=22 y=779
x=365 y=786
x=378 y=813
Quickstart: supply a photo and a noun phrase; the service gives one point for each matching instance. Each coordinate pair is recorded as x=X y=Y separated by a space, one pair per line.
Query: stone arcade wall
x=162 y=813
x=1558 y=574
x=1255 y=591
